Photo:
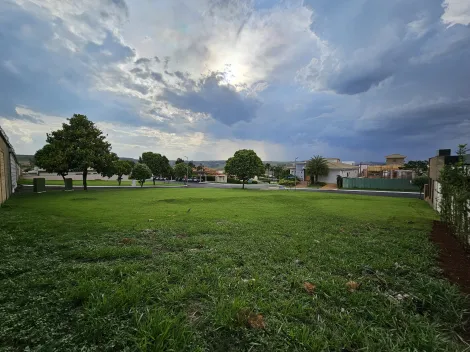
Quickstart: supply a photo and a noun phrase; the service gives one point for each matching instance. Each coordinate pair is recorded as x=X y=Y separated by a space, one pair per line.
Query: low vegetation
x=222 y=270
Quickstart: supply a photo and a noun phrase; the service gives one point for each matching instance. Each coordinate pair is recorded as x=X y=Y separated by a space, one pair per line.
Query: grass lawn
x=222 y=270
x=79 y=183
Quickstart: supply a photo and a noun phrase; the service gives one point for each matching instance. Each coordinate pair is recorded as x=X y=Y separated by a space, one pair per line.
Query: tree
x=53 y=160
x=182 y=170
x=179 y=161
x=84 y=146
x=141 y=172
x=120 y=168
x=244 y=164
x=419 y=182
x=317 y=166
x=418 y=166
x=267 y=167
x=280 y=171
x=191 y=164
x=158 y=164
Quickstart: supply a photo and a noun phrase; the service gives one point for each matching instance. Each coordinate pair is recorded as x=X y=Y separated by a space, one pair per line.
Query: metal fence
x=379 y=184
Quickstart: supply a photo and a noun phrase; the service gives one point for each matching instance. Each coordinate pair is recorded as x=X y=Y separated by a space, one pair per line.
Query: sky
x=350 y=79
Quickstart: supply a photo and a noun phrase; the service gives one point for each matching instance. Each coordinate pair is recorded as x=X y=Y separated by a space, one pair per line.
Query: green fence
x=379 y=183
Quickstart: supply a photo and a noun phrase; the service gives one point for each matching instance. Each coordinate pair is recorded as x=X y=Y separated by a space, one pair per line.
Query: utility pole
x=295 y=173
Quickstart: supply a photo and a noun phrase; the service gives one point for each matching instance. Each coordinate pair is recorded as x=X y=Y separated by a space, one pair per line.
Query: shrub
x=288 y=183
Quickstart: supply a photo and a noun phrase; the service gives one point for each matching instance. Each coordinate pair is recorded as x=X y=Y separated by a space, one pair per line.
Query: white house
x=336 y=168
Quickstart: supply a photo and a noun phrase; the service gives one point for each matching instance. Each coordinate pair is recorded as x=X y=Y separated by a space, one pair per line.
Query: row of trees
x=455 y=193
x=80 y=146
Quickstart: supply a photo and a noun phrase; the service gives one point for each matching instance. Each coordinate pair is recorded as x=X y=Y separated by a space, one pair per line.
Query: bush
x=288 y=183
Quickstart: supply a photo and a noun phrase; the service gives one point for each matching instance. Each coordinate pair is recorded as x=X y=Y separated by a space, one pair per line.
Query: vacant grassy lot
x=222 y=270
x=79 y=183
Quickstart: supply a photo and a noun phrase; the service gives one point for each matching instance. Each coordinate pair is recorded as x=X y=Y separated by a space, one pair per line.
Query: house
x=221 y=178
x=9 y=168
x=432 y=193
x=335 y=166
x=395 y=159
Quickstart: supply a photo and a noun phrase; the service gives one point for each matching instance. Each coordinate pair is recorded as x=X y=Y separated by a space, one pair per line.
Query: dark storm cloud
x=213 y=97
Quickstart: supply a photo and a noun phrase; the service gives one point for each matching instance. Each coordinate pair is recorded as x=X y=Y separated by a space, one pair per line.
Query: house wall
x=331 y=178
x=5 y=184
x=395 y=161
x=298 y=171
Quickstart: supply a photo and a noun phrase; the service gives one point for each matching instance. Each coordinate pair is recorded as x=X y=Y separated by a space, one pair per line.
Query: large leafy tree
x=158 y=164
x=141 y=172
x=83 y=145
x=418 y=166
x=183 y=169
x=316 y=167
x=179 y=161
x=119 y=168
x=244 y=164
x=52 y=159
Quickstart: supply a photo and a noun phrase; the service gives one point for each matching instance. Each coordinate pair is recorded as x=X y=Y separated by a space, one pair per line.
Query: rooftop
x=396 y=156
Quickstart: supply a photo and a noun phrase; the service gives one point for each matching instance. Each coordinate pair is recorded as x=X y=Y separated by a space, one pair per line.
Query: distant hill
x=25 y=160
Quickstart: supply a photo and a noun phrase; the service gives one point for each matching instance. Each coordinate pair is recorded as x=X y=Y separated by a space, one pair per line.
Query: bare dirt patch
x=453 y=259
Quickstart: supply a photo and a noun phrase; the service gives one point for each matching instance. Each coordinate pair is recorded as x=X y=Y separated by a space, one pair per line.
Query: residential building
x=395 y=159
x=9 y=168
x=335 y=166
x=432 y=192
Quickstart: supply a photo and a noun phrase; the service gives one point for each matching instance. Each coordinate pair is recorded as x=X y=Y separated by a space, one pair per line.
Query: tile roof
x=395 y=156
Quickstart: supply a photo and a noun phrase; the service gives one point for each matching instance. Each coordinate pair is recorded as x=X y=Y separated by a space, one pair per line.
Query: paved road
x=266 y=187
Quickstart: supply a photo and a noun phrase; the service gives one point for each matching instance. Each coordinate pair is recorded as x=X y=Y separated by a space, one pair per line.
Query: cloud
x=456 y=12
x=287 y=77
x=211 y=96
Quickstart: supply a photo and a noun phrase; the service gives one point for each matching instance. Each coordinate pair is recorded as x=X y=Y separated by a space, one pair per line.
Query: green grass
x=79 y=183
x=188 y=269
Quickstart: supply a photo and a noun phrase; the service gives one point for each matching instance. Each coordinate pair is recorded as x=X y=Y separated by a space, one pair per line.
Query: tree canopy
x=179 y=161
x=316 y=167
x=81 y=145
x=418 y=166
x=183 y=169
x=244 y=164
x=141 y=172
x=157 y=163
x=52 y=159
x=119 y=168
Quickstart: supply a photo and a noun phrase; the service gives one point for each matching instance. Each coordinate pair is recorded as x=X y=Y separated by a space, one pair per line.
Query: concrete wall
x=435 y=166
x=5 y=171
x=331 y=178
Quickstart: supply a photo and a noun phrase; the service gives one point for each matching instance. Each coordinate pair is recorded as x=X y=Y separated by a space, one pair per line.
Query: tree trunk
x=119 y=179
x=141 y=184
x=85 y=173
x=153 y=180
x=243 y=184
x=63 y=177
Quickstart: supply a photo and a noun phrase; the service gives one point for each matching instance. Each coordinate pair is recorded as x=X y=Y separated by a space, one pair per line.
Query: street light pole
x=295 y=173
x=186 y=169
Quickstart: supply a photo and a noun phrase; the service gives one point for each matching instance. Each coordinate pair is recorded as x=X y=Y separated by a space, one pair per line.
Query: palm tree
x=267 y=167
x=317 y=166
